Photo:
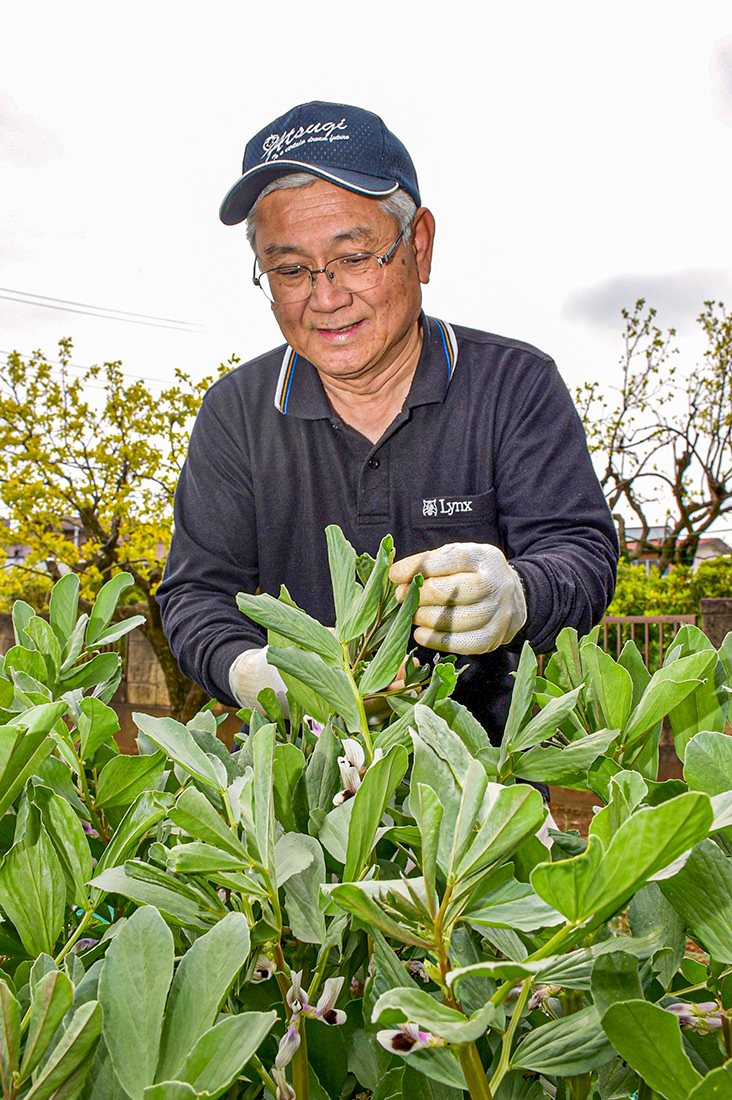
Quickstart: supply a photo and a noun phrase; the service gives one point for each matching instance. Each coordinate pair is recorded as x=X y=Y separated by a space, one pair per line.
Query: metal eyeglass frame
x=381 y=260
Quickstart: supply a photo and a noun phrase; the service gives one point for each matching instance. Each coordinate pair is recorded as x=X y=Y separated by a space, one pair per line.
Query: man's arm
x=213 y=554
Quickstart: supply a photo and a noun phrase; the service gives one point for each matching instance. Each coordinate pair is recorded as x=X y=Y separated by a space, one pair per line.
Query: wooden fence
x=653 y=634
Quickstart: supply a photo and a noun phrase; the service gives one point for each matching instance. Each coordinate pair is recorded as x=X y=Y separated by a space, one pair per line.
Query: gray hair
x=399 y=205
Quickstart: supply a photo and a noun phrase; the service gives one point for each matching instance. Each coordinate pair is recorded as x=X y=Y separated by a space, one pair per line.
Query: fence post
x=716 y=615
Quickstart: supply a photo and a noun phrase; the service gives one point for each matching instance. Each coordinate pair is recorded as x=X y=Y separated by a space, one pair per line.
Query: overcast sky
x=576 y=156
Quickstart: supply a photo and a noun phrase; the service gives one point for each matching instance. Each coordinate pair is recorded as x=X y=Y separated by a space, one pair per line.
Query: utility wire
x=24 y=298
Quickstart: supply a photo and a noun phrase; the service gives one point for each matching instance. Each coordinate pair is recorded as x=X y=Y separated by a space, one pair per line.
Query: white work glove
x=250 y=673
x=472 y=600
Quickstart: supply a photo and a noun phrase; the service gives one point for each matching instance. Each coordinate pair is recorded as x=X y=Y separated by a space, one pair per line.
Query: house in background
x=707 y=550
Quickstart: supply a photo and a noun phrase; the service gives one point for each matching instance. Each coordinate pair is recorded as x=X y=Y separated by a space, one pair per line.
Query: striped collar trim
x=449 y=343
x=284 y=380
x=291 y=358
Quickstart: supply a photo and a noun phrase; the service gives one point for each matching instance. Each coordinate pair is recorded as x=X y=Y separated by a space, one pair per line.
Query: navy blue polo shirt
x=487 y=448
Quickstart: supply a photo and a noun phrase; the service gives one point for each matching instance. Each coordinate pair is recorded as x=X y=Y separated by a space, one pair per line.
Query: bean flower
x=352 y=767
x=407 y=1038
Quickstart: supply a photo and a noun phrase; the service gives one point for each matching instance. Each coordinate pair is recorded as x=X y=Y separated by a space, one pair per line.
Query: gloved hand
x=250 y=673
x=472 y=600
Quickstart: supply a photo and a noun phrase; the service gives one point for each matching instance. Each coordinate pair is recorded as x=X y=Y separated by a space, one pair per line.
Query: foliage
x=88 y=467
x=355 y=902
x=677 y=592
x=665 y=439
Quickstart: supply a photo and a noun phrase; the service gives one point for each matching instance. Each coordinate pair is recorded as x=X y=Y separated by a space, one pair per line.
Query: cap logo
x=274 y=146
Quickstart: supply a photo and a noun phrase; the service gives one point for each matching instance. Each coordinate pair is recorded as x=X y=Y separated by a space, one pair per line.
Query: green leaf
x=515 y=814
x=221 y=1053
x=123 y=778
x=609 y=686
x=289 y=764
x=105 y=606
x=507 y=903
x=569 y=1046
x=667 y=688
x=51 y=998
x=202 y=982
x=23 y=748
x=706 y=708
x=46 y=643
x=171 y=1090
x=366 y=606
x=179 y=744
x=322 y=775
x=99 y=670
x=565 y=767
x=71 y=1057
x=199 y=858
x=29 y=661
x=96 y=723
x=522 y=698
x=649 y=912
x=263 y=742
x=708 y=763
x=701 y=893
x=116 y=631
x=147 y=886
x=33 y=889
x=596 y=883
x=342 y=565
x=69 y=840
x=717 y=1085
x=22 y=613
x=329 y=682
x=428 y=812
x=379 y=783
x=545 y=724
x=194 y=813
x=302 y=895
x=293 y=623
x=9 y=1037
x=144 y=813
x=382 y=669
x=353 y=899
x=404 y=1005
x=640 y=1032
x=64 y=607
x=133 y=989
x=615 y=977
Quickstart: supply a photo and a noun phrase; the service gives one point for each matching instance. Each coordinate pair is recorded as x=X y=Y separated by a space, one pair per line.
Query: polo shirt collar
x=299 y=391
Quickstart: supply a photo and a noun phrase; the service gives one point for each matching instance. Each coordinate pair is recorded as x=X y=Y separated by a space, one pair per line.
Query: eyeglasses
x=294 y=282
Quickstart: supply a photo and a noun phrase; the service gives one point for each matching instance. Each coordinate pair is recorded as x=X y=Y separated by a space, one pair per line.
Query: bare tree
x=663 y=437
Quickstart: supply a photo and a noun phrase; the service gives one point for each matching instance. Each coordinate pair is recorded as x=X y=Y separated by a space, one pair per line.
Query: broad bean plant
x=365 y=899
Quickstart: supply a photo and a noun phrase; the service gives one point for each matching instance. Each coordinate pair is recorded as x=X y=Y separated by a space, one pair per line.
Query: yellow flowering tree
x=89 y=460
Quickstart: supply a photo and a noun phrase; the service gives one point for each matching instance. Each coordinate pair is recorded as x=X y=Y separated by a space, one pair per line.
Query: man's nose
x=324 y=294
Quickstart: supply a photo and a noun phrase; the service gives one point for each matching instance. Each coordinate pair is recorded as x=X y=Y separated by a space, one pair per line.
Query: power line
x=24 y=298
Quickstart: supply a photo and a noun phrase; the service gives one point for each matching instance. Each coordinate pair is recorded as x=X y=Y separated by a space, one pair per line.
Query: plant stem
x=505 y=1059
x=364 y=723
x=256 y=1062
x=300 y=1067
x=474 y=1073
x=81 y=928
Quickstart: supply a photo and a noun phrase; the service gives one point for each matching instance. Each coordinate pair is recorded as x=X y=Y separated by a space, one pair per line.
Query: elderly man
x=465 y=446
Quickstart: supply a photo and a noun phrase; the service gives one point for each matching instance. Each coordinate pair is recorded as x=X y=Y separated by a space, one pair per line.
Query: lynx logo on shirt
x=443 y=506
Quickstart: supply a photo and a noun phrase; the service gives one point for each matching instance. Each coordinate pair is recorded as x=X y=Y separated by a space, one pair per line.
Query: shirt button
x=374 y=463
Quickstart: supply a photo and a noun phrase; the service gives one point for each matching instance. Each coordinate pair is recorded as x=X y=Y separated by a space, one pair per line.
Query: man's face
x=345 y=335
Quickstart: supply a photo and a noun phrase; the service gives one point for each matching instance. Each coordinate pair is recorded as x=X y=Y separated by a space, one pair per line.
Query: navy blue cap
x=347 y=146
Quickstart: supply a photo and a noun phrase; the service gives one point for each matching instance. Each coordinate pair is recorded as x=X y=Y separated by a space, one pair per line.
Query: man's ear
x=423 y=239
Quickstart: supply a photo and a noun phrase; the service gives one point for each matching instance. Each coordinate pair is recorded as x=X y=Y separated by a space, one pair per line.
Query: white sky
x=575 y=155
